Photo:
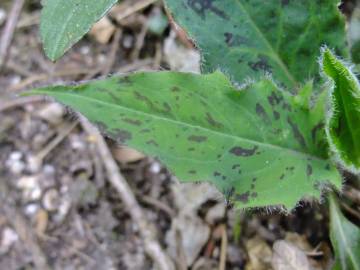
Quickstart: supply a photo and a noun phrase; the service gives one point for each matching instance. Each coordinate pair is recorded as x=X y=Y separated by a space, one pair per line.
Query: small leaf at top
x=343 y=126
x=64 y=22
x=345 y=238
x=246 y=38
x=256 y=145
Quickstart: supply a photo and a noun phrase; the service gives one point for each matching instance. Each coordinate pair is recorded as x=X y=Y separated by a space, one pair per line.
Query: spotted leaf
x=343 y=126
x=63 y=23
x=246 y=38
x=256 y=145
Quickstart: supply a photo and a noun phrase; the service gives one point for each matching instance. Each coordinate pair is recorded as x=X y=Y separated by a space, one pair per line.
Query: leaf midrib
x=338 y=84
x=117 y=106
x=274 y=53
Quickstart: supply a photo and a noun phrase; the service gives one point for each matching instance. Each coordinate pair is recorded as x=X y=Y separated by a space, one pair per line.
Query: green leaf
x=64 y=22
x=345 y=238
x=255 y=145
x=246 y=38
x=354 y=34
x=343 y=126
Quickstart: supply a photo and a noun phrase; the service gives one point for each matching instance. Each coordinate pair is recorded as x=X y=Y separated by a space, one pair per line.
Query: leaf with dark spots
x=297 y=133
x=248 y=39
x=212 y=121
x=121 y=135
x=317 y=129
x=274 y=99
x=167 y=107
x=260 y=111
x=192 y=172
x=232 y=40
x=309 y=170
x=224 y=133
x=201 y=7
x=175 y=89
x=243 y=152
x=260 y=65
x=152 y=142
x=132 y=121
x=197 y=139
x=244 y=197
x=276 y=115
x=235 y=166
x=144 y=98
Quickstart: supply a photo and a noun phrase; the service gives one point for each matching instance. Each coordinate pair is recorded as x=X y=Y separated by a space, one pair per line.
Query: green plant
x=264 y=123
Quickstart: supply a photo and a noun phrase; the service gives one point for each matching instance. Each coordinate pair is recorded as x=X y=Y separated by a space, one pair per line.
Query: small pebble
x=155 y=167
x=51 y=200
x=31 y=209
x=8 y=238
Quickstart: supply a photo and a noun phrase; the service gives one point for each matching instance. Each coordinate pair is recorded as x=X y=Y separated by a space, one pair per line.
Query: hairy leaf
x=245 y=38
x=64 y=22
x=345 y=238
x=255 y=145
x=343 y=127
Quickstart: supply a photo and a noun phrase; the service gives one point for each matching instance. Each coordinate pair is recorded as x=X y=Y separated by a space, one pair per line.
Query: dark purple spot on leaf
x=276 y=115
x=260 y=111
x=315 y=130
x=297 y=134
x=201 y=7
x=234 y=40
x=212 y=121
x=244 y=197
x=243 y=152
x=132 y=121
x=175 y=89
x=120 y=134
x=152 y=142
x=197 y=139
x=167 y=107
x=309 y=170
x=274 y=99
x=217 y=174
x=261 y=64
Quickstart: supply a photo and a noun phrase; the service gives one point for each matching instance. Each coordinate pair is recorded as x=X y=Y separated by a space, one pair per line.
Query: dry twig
x=224 y=244
x=9 y=29
x=20 y=101
x=126 y=9
x=152 y=246
x=112 y=55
